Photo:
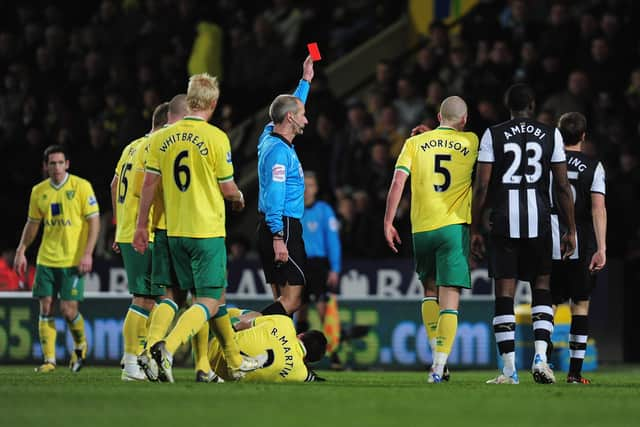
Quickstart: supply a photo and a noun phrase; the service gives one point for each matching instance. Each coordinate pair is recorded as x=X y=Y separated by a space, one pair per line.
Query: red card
x=314 y=51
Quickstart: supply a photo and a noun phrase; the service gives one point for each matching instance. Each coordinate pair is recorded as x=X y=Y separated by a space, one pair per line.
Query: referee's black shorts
x=288 y=273
x=522 y=259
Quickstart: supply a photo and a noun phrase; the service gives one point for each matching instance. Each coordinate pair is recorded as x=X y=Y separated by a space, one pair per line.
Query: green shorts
x=162 y=271
x=443 y=254
x=138 y=267
x=201 y=265
x=63 y=282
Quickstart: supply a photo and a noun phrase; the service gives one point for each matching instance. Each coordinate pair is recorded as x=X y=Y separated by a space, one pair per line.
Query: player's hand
x=307 y=69
x=86 y=264
x=238 y=205
x=333 y=279
x=392 y=237
x=115 y=247
x=141 y=240
x=478 y=248
x=420 y=129
x=280 y=251
x=20 y=263
x=567 y=245
x=598 y=261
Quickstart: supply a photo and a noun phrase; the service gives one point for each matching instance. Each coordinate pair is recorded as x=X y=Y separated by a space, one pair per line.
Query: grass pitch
x=97 y=397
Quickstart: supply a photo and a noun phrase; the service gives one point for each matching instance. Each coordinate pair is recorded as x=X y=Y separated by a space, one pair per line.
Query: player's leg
x=537 y=266
x=578 y=336
x=43 y=289
x=426 y=269
x=71 y=293
x=452 y=274
x=581 y=288
x=135 y=325
x=503 y=268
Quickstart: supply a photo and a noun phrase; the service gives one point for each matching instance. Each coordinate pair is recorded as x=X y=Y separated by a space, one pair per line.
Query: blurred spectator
x=408 y=105
x=575 y=98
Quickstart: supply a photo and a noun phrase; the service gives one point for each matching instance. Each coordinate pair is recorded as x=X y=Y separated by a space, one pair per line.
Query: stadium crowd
x=89 y=75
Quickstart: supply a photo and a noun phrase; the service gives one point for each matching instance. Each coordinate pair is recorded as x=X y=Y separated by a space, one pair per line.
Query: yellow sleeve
x=405 y=159
x=34 y=212
x=223 y=163
x=152 y=157
x=88 y=199
x=138 y=168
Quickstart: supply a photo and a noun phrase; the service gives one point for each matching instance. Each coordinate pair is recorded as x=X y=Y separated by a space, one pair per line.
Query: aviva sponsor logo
x=57 y=222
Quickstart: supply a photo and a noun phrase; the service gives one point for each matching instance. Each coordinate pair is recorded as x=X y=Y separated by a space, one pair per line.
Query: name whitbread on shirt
x=184 y=137
x=445 y=143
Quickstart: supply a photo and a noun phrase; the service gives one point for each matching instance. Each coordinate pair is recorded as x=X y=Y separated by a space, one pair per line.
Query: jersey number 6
x=179 y=169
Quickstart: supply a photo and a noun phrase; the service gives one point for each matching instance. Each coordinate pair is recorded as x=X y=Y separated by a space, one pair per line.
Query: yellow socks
x=76 y=326
x=225 y=334
x=200 y=347
x=161 y=317
x=445 y=336
x=134 y=329
x=430 y=315
x=47 y=330
x=188 y=325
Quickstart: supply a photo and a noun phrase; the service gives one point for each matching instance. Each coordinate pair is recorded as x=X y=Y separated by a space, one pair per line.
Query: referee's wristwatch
x=278 y=235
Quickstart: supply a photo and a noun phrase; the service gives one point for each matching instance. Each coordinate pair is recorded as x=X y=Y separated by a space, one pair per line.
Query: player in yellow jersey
x=67 y=206
x=288 y=353
x=162 y=270
x=138 y=266
x=193 y=160
x=440 y=163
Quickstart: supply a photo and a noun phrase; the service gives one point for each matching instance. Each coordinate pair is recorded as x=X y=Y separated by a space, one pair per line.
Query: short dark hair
x=52 y=149
x=518 y=97
x=160 y=115
x=315 y=343
x=572 y=126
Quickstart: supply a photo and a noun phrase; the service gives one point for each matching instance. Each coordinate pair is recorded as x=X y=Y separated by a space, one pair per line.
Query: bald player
x=440 y=162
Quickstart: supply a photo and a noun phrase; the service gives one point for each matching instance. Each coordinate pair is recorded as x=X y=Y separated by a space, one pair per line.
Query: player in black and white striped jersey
x=574 y=279
x=514 y=166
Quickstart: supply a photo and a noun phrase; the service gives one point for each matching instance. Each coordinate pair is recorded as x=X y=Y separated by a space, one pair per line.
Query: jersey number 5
x=438 y=168
x=181 y=170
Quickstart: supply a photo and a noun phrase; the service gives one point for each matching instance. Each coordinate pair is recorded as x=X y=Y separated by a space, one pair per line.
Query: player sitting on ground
x=288 y=353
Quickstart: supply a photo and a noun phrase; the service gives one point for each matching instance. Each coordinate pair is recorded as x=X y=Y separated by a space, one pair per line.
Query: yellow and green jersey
x=440 y=163
x=63 y=210
x=276 y=336
x=127 y=201
x=192 y=157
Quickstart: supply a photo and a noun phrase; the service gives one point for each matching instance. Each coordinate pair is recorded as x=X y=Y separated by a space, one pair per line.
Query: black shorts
x=317 y=275
x=522 y=259
x=571 y=280
x=288 y=273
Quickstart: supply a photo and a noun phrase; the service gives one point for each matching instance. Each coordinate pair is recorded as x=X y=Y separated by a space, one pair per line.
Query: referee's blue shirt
x=320 y=234
x=280 y=174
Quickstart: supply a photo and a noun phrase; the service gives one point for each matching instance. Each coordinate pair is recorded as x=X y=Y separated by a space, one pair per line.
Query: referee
x=281 y=198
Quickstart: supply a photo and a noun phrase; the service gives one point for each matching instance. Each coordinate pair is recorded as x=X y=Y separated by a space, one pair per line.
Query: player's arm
x=565 y=202
x=479 y=199
x=114 y=197
x=232 y=193
x=599 y=215
x=29 y=233
x=86 y=262
x=484 y=169
x=149 y=185
x=393 y=198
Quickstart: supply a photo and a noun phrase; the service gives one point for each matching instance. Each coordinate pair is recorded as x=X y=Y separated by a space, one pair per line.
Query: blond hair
x=202 y=92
